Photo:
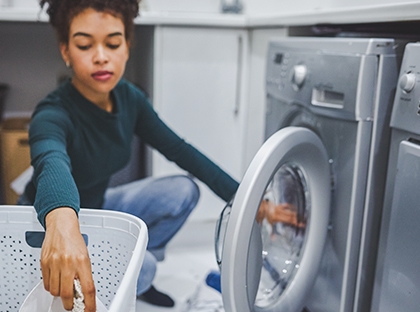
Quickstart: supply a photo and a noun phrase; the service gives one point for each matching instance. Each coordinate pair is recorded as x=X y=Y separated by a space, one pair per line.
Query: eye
x=113 y=46
x=83 y=47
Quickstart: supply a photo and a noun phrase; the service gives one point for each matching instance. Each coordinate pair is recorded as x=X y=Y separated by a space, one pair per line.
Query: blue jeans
x=163 y=204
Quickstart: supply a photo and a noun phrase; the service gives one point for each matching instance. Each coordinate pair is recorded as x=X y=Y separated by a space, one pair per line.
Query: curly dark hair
x=61 y=13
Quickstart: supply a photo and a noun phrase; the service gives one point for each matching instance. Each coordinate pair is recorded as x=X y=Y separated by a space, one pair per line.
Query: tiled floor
x=189 y=258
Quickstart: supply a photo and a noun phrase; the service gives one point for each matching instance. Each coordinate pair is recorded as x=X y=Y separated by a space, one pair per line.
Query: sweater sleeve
x=156 y=133
x=52 y=177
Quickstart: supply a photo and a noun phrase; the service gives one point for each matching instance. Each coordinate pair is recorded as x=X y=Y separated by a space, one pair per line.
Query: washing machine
x=290 y=239
x=397 y=279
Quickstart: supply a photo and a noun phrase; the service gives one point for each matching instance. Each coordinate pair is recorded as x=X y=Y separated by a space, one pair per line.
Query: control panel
x=325 y=81
x=406 y=109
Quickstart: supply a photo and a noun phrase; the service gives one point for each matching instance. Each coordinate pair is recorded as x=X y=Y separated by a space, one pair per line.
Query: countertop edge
x=366 y=14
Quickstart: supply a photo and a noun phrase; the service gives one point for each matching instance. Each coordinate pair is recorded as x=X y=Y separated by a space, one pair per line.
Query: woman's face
x=97 y=52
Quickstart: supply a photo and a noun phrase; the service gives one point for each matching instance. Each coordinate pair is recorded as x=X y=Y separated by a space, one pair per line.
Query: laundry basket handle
x=36 y=238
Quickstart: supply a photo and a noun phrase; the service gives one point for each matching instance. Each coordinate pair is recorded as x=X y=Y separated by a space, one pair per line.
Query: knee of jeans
x=189 y=190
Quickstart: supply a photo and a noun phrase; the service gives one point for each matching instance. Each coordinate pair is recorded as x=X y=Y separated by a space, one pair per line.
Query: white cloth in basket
x=78 y=304
x=40 y=300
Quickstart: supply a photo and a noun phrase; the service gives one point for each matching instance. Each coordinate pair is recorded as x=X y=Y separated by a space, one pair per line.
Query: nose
x=100 y=56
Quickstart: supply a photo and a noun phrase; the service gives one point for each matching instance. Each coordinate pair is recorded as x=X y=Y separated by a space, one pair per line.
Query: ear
x=64 y=49
x=128 y=50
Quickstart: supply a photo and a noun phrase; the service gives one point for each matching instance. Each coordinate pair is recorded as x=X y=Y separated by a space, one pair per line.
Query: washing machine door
x=277 y=225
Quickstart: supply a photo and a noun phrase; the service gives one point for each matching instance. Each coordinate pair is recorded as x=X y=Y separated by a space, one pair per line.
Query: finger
x=45 y=275
x=260 y=213
x=88 y=286
x=66 y=289
x=54 y=281
x=283 y=216
x=89 y=293
x=287 y=206
x=301 y=225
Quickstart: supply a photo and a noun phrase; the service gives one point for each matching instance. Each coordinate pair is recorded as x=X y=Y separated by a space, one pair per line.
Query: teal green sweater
x=76 y=147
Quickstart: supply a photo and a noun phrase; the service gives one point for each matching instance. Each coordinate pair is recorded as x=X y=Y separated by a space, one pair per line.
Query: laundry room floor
x=189 y=258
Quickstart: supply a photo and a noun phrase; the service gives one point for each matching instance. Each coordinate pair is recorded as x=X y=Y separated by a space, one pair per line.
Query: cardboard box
x=14 y=154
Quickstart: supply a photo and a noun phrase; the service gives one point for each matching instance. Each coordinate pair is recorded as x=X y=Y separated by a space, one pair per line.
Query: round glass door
x=282 y=215
x=270 y=239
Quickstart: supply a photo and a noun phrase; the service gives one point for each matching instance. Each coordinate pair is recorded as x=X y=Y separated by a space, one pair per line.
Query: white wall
x=199 y=6
x=30 y=63
x=284 y=6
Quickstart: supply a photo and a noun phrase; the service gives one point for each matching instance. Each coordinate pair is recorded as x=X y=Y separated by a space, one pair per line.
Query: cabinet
x=200 y=79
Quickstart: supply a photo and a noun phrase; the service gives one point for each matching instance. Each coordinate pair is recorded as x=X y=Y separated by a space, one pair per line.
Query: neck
x=102 y=100
x=106 y=104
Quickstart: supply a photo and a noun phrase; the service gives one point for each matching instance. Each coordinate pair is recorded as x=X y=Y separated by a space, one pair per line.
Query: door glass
x=283 y=215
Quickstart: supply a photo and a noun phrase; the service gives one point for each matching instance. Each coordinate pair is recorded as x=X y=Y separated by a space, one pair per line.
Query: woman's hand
x=64 y=257
x=281 y=213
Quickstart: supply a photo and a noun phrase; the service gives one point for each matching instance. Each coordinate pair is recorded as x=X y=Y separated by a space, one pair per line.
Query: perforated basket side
x=116 y=243
x=19 y=265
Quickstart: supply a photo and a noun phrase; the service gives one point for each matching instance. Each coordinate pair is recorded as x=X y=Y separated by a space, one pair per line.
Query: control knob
x=299 y=75
x=407 y=82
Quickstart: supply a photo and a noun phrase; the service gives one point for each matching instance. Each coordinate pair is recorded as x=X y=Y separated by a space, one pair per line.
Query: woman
x=81 y=134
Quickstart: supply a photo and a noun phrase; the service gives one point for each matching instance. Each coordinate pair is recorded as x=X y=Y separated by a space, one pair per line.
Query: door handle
x=238 y=76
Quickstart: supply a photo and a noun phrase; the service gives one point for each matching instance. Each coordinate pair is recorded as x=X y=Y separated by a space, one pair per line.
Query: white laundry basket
x=116 y=242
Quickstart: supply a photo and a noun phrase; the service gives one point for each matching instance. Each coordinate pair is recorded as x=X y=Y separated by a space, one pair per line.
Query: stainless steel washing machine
x=291 y=239
x=397 y=281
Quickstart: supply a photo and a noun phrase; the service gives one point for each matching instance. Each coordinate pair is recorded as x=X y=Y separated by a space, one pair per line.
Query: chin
x=105 y=87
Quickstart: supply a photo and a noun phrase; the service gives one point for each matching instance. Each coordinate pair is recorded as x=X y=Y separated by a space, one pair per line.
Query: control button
x=407 y=82
x=299 y=75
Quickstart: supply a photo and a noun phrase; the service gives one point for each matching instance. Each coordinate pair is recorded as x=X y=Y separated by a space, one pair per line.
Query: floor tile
x=189 y=259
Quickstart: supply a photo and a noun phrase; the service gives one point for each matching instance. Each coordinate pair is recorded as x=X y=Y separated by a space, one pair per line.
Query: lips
x=102 y=75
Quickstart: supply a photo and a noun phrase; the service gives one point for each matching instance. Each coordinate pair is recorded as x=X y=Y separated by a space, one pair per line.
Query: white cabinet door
x=199 y=91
